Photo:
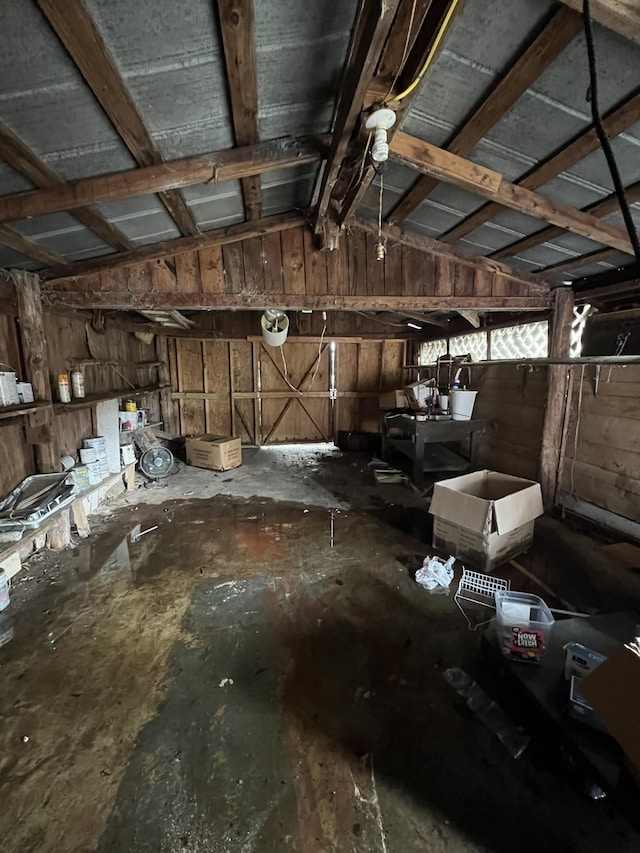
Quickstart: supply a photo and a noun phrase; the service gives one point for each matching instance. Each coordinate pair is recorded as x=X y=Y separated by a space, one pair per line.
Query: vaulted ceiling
x=124 y=125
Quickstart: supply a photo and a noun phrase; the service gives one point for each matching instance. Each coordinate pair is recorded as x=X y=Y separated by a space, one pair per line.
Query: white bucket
x=98 y=442
x=461 y=404
x=5 y=583
x=273 y=337
x=94 y=472
x=88 y=454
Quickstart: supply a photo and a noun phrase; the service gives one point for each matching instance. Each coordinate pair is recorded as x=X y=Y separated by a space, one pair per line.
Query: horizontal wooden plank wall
x=215 y=387
x=289 y=262
x=604 y=468
x=512 y=398
x=16 y=456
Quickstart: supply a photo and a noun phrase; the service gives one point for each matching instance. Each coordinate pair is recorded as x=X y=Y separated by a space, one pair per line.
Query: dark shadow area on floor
x=284 y=690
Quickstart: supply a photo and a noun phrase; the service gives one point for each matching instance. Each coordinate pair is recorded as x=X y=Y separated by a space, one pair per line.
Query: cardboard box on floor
x=393 y=400
x=613 y=691
x=485 y=518
x=216 y=452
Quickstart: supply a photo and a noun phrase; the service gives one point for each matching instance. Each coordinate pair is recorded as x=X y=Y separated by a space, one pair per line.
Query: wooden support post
x=79 y=515
x=36 y=357
x=167 y=411
x=59 y=534
x=557 y=385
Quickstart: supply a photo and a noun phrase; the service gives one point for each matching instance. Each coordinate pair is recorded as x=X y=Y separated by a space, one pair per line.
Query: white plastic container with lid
x=524 y=623
x=77 y=384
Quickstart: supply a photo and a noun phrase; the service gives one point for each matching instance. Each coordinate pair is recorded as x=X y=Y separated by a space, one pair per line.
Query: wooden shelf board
x=21 y=409
x=92 y=399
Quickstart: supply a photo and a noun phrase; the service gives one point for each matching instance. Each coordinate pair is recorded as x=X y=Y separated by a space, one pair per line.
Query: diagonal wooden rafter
x=370 y=34
x=215 y=167
x=621 y=16
x=615 y=122
x=428 y=40
x=16 y=241
x=20 y=157
x=238 y=39
x=578 y=261
x=178 y=246
x=555 y=36
x=78 y=33
x=603 y=207
x=455 y=170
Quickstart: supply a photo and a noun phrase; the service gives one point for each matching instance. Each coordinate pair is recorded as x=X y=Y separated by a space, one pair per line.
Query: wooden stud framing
x=34 y=348
x=617 y=121
x=370 y=34
x=470 y=176
x=19 y=243
x=213 y=168
x=557 y=386
x=78 y=33
x=558 y=32
x=24 y=161
x=236 y=26
x=599 y=208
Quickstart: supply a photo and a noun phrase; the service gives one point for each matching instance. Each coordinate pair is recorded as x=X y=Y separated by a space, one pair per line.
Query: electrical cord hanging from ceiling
x=600 y=131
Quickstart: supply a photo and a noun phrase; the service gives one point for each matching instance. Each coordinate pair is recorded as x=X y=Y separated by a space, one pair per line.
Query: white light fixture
x=307 y=311
x=275 y=327
x=414 y=326
x=380 y=121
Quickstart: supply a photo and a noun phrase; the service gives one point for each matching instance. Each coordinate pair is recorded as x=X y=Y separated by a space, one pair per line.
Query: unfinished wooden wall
x=289 y=262
x=242 y=387
x=512 y=398
x=16 y=456
x=70 y=341
x=602 y=440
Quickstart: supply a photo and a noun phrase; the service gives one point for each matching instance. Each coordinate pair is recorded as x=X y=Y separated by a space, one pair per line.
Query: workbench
x=412 y=438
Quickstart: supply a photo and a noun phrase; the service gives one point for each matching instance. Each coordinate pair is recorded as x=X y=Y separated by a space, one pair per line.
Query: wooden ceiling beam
x=16 y=241
x=213 y=168
x=578 y=261
x=21 y=158
x=400 y=41
x=621 y=16
x=78 y=33
x=557 y=33
x=450 y=253
x=125 y=300
x=617 y=120
x=370 y=34
x=599 y=208
x=179 y=246
x=462 y=173
x=428 y=41
x=238 y=40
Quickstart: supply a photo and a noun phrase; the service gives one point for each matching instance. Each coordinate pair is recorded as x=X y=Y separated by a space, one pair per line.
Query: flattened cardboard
x=215 y=452
x=613 y=691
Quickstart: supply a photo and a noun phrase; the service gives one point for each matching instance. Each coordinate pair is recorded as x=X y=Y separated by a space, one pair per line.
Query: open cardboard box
x=485 y=518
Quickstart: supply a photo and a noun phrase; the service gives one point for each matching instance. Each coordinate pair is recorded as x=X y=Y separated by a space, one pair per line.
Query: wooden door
x=294 y=385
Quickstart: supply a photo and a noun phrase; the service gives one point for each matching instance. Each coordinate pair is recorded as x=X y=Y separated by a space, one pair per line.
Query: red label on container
x=526 y=643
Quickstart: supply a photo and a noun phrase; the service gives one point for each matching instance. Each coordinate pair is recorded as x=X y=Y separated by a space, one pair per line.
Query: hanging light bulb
x=379 y=122
x=380 y=251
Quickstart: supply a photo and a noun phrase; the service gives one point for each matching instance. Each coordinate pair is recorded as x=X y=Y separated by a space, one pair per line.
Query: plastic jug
x=5 y=583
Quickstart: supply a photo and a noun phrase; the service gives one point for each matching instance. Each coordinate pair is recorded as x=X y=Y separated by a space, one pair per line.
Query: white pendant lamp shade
x=275 y=327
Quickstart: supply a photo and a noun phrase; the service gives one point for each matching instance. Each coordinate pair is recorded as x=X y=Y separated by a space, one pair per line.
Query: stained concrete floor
x=258 y=675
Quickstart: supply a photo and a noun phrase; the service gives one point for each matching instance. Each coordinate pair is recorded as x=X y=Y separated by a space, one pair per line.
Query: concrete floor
x=258 y=675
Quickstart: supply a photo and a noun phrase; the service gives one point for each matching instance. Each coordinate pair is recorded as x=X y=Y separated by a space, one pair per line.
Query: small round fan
x=156 y=463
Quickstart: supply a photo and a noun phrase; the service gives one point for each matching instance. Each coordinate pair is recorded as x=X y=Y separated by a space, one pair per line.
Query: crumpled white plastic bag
x=436 y=574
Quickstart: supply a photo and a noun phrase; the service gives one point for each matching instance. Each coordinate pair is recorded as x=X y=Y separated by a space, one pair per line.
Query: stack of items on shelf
x=93 y=456
x=67 y=387
x=132 y=417
x=12 y=392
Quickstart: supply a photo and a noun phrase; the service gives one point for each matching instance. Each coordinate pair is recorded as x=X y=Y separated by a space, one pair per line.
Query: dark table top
x=544 y=684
